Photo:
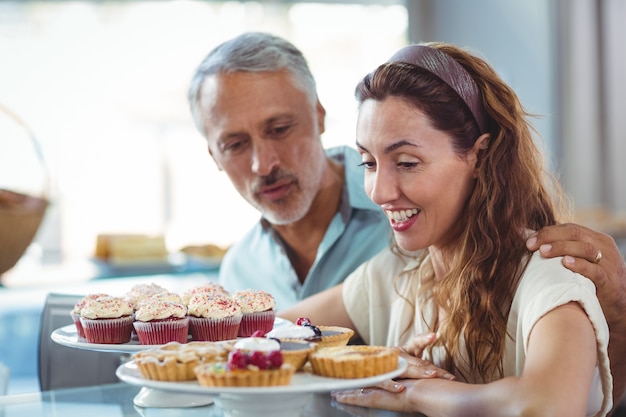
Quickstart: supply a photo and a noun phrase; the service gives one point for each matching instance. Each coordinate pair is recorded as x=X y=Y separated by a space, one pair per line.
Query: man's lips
x=276 y=191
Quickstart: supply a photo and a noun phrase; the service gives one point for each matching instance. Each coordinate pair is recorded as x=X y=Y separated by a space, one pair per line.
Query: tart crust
x=175 y=361
x=354 y=361
x=216 y=375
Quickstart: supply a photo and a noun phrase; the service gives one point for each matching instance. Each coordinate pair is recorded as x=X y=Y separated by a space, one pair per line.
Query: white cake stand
x=279 y=401
x=147 y=397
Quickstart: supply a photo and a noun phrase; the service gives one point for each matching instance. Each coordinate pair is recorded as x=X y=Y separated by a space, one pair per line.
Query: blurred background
x=97 y=90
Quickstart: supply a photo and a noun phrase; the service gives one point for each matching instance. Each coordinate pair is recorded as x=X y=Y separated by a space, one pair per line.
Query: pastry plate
x=68 y=336
x=301 y=382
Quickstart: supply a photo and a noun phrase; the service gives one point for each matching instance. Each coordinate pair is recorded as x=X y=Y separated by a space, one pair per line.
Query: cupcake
x=213 y=317
x=210 y=287
x=354 y=361
x=176 y=362
x=159 y=321
x=254 y=362
x=140 y=291
x=322 y=336
x=258 y=309
x=107 y=320
x=162 y=296
x=75 y=313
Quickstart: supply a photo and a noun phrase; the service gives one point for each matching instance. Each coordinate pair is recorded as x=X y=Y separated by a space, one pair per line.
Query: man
x=254 y=99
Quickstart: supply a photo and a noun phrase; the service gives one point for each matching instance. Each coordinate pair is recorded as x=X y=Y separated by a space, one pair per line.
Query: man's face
x=265 y=134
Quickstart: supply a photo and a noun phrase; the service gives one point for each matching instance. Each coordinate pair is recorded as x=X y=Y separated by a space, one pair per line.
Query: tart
x=253 y=362
x=354 y=361
x=322 y=336
x=176 y=362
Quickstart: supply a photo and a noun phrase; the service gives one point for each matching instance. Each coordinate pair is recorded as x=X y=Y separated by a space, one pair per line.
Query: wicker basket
x=20 y=214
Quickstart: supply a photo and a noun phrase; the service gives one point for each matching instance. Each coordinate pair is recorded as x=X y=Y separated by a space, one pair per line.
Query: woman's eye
x=407 y=165
x=367 y=164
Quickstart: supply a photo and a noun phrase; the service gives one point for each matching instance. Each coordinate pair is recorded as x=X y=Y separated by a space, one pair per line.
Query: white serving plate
x=68 y=336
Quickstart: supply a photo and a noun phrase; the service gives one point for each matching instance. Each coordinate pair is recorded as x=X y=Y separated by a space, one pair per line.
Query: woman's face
x=412 y=172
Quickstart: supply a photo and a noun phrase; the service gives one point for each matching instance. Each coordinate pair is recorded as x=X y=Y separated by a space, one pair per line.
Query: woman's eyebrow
x=391 y=147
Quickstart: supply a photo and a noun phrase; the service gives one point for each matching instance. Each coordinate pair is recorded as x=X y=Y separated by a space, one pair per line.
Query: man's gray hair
x=253 y=52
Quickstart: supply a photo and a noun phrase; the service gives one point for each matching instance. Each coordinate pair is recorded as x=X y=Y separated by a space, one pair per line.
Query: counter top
x=113 y=400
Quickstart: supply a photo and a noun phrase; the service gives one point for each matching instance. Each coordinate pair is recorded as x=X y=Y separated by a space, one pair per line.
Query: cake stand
x=278 y=401
x=147 y=397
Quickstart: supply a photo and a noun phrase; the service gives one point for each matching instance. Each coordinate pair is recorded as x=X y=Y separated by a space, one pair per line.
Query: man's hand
x=596 y=256
x=580 y=245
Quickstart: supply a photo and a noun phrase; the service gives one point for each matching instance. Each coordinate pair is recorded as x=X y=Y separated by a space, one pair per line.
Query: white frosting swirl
x=155 y=309
x=253 y=301
x=213 y=305
x=257 y=344
x=107 y=308
x=291 y=331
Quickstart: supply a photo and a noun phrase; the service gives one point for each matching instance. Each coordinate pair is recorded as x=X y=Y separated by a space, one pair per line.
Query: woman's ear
x=480 y=145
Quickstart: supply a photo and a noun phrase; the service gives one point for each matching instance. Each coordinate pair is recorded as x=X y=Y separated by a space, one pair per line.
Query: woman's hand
x=390 y=395
x=376 y=397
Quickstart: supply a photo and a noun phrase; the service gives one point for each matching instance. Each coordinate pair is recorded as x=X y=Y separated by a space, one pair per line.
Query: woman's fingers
x=417 y=344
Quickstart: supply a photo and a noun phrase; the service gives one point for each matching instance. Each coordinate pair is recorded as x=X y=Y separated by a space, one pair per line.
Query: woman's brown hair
x=513 y=194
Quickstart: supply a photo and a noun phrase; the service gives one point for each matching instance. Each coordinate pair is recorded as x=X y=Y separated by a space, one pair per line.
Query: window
x=103 y=86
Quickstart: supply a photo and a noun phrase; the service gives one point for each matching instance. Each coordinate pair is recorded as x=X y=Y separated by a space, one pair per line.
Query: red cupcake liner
x=213 y=330
x=251 y=322
x=163 y=331
x=107 y=331
x=79 y=327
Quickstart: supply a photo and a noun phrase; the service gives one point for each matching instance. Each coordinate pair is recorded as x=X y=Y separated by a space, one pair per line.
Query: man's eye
x=278 y=131
x=233 y=146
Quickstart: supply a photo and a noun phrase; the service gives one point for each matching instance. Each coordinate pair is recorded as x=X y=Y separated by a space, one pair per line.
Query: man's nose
x=264 y=158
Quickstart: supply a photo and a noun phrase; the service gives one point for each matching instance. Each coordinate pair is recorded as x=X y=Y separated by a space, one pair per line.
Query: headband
x=450 y=72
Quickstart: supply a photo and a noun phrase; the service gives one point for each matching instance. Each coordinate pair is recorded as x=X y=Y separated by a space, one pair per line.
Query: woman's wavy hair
x=513 y=193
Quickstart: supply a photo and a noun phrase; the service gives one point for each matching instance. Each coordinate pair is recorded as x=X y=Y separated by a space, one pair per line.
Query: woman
x=450 y=158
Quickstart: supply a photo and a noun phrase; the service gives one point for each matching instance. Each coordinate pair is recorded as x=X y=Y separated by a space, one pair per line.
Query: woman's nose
x=381 y=187
x=264 y=158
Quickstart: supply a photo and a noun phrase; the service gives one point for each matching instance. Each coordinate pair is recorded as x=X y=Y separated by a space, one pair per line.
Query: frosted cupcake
x=213 y=317
x=107 y=320
x=258 y=308
x=141 y=291
x=159 y=321
x=75 y=313
x=210 y=287
x=166 y=296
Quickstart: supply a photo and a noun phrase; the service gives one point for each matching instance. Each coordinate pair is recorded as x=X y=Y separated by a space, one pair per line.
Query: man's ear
x=321 y=117
x=214 y=160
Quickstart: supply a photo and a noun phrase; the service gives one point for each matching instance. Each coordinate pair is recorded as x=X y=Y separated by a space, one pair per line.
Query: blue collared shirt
x=358 y=231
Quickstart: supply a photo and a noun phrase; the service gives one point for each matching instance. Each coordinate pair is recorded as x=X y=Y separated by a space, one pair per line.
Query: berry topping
x=275 y=359
x=237 y=360
x=303 y=321
x=258 y=333
x=259 y=360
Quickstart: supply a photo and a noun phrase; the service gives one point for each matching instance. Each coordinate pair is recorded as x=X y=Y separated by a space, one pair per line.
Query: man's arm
x=580 y=245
